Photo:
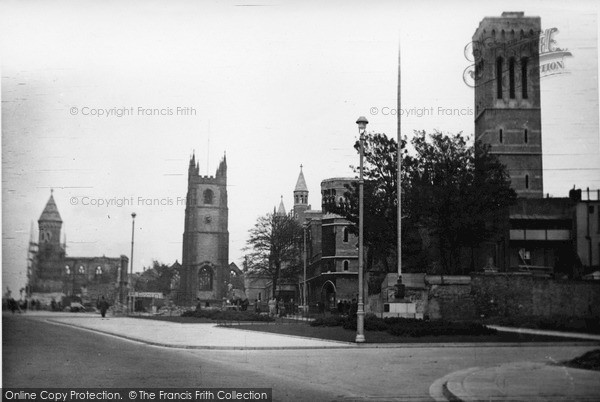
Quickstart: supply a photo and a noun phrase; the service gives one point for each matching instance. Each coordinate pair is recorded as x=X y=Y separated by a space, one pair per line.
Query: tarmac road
x=51 y=350
x=40 y=354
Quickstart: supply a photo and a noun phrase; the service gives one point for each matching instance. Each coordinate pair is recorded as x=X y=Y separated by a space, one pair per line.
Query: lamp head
x=133 y=215
x=362 y=124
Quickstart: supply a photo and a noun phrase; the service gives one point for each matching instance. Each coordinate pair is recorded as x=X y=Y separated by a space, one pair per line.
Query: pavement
x=514 y=381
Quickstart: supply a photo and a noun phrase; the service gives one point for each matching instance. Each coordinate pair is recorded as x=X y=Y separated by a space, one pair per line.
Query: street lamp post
x=305 y=308
x=360 y=314
x=132 y=300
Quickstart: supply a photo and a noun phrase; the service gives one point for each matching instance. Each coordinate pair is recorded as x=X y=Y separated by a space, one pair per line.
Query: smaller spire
x=50 y=212
x=301 y=183
x=281 y=210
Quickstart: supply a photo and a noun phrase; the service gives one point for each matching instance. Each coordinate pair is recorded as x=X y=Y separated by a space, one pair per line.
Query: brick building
x=507 y=97
x=331 y=253
x=537 y=234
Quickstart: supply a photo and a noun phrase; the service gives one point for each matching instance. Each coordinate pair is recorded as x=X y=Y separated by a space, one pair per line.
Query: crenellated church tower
x=205 y=260
x=507 y=97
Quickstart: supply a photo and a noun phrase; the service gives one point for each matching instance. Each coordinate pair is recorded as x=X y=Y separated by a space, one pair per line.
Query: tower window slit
x=511 y=78
x=524 y=77
x=499 y=77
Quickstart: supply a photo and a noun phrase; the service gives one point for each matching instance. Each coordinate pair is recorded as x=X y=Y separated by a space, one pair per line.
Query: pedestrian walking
x=103 y=306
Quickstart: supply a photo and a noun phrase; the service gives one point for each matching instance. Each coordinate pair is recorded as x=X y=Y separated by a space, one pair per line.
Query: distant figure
x=281 y=308
x=353 y=308
x=256 y=306
x=346 y=307
x=12 y=305
x=103 y=306
x=198 y=304
x=272 y=307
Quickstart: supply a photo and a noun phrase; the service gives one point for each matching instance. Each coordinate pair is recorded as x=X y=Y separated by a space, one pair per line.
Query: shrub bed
x=227 y=315
x=407 y=326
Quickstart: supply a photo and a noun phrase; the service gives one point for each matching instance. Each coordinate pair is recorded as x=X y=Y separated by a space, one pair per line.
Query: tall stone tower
x=51 y=253
x=507 y=97
x=205 y=263
x=300 y=197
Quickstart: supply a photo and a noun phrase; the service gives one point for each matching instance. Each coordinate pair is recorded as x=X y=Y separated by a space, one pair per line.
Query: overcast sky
x=274 y=85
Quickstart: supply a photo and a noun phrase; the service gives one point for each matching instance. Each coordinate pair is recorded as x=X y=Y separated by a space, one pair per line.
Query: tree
x=380 y=201
x=274 y=247
x=455 y=191
x=451 y=190
x=155 y=279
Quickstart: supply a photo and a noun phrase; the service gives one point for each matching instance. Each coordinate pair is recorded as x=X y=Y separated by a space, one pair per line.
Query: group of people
x=277 y=307
x=22 y=305
x=345 y=307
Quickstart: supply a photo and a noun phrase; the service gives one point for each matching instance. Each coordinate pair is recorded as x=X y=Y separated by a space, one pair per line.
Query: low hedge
x=407 y=326
x=328 y=321
x=227 y=315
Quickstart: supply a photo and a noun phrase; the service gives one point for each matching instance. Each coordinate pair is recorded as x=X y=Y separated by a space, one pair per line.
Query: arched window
x=524 y=77
x=67 y=270
x=527 y=181
x=345 y=232
x=81 y=269
x=511 y=78
x=205 y=278
x=499 y=66
x=98 y=270
x=208 y=196
x=346 y=264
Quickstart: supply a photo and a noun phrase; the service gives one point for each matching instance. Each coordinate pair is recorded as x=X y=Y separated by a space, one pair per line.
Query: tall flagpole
x=400 y=286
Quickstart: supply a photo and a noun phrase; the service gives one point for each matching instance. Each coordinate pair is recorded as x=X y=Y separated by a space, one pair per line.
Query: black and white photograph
x=300 y=200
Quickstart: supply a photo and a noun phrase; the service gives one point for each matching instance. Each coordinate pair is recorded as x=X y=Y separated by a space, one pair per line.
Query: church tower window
x=205 y=278
x=208 y=196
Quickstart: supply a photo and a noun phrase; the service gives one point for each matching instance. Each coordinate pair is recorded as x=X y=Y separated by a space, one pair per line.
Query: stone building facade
x=53 y=274
x=507 y=97
x=205 y=263
x=546 y=236
x=332 y=254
